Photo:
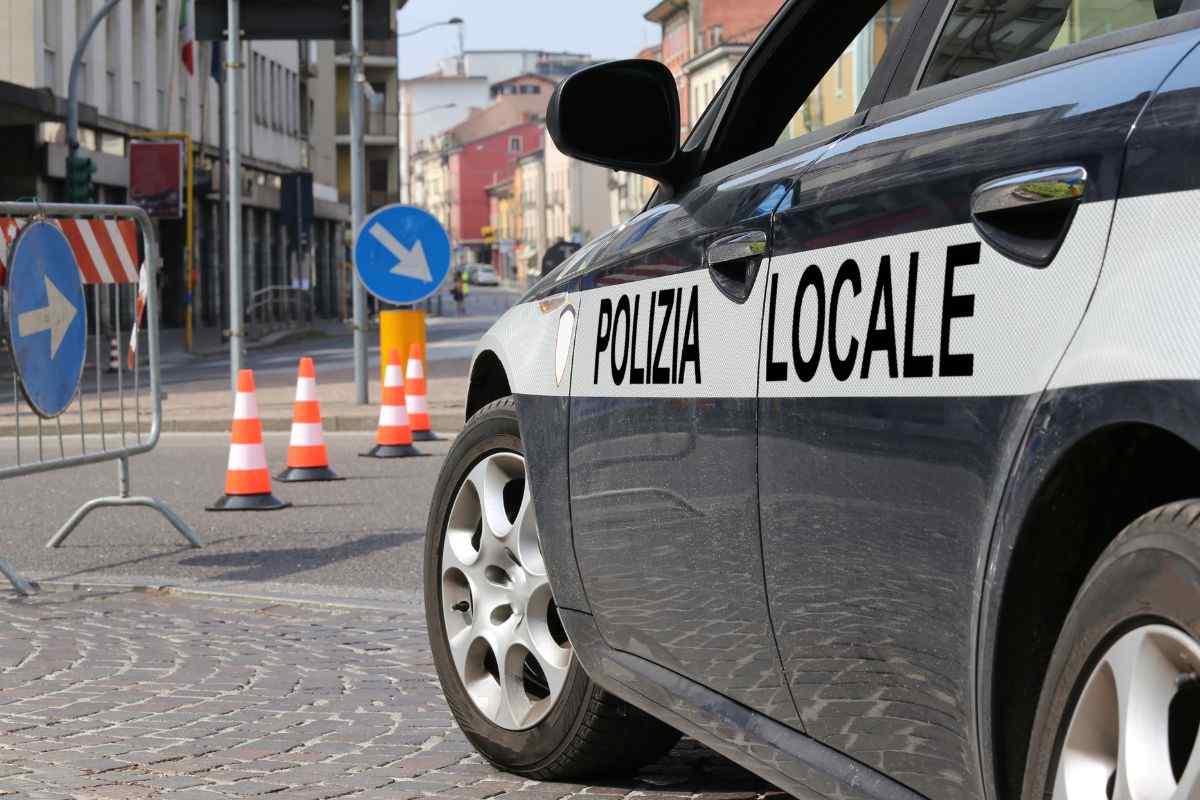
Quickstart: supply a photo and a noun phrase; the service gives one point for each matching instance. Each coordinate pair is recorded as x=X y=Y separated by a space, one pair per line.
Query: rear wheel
x=503 y=658
x=1120 y=707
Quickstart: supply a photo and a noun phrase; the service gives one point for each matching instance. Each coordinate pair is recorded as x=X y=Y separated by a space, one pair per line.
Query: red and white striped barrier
x=105 y=249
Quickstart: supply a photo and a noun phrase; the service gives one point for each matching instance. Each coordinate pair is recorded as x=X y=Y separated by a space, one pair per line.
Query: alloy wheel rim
x=502 y=626
x=1132 y=734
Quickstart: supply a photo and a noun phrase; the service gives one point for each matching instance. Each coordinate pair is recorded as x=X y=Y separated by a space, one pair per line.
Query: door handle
x=733 y=262
x=1026 y=216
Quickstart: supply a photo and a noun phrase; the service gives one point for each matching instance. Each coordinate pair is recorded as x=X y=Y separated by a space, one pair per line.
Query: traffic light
x=79 y=179
x=489 y=234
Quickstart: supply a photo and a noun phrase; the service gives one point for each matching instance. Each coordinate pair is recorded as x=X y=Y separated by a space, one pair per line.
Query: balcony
x=377 y=199
x=379 y=127
x=376 y=52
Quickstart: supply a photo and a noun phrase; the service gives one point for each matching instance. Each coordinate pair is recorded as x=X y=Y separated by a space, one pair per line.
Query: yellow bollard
x=397 y=331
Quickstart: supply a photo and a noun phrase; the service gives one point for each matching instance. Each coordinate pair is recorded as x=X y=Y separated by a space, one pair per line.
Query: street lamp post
x=358 y=199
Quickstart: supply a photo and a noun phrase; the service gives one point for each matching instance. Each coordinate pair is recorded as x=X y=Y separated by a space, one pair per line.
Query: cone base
x=425 y=436
x=392 y=451
x=299 y=474
x=248 y=502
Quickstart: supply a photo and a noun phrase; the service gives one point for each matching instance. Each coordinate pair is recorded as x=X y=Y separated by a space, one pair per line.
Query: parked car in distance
x=482 y=275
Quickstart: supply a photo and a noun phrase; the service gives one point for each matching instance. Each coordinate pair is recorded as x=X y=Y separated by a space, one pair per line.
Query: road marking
x=56 y=316
x=409 y=263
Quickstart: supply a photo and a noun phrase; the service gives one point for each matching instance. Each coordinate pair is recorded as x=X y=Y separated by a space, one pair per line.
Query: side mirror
x=623 y=115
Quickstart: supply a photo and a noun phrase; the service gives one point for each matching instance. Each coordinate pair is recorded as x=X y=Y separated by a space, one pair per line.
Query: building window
x=83 y=15
x=514 y=144
x=51 y=30
x=377 y=178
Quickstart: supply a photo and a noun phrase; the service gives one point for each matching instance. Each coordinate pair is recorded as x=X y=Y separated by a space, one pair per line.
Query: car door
x=664 y=417
x=924 y=283
x=662 y=452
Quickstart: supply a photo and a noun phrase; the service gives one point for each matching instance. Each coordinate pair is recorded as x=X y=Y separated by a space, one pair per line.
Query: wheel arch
x=1094 y=460
x=488 y=382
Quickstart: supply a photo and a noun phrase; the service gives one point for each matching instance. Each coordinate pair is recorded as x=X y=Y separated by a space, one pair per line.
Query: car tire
x=1123 y=677
x=584 y=730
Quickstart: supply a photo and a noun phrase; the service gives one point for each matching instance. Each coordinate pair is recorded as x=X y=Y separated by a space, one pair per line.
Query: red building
x=476 y=165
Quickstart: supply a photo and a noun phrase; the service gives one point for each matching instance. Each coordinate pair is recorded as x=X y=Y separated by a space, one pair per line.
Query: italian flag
x=187 y=36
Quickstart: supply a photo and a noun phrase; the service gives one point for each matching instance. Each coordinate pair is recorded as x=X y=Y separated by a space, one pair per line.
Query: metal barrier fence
x=105 y=419
x=275 y=308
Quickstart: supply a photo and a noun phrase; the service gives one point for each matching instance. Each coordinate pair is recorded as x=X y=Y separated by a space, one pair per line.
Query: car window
x=980 y=34
x=837 y=96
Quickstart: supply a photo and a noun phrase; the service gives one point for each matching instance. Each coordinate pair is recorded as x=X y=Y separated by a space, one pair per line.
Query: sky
x=602 y=28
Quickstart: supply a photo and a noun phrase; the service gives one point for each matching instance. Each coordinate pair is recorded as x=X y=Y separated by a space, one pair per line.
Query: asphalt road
x=448 y=337
x=360 y=538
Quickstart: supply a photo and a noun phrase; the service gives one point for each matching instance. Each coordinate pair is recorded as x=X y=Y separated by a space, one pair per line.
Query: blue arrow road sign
x=47 y=317
x=402 y=254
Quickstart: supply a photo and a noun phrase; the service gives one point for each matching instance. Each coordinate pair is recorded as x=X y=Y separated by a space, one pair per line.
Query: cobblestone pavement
x=108 y=694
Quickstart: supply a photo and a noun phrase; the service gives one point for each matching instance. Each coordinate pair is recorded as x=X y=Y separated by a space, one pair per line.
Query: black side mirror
x=623 y=115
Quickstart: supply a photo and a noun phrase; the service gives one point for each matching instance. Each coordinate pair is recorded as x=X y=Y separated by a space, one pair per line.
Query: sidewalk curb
x=450 y=423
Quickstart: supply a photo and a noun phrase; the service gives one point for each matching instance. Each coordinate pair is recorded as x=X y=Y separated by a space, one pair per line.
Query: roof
x=734 y=50
x=527 y=50
x=442 y=76
x=532 y=156
x=665 y=9
x=527 y=76
x=500 y=186
x=508 y=111
x=653 y=52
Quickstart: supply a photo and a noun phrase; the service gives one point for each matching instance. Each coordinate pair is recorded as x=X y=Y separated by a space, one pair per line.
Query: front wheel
x=1120 y=707
x=503 y=659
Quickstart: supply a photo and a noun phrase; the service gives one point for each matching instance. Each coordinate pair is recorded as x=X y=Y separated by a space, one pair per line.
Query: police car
x=868 y=453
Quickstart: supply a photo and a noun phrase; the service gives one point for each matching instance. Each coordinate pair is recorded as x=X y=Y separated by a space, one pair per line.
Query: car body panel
x=663 y=462
x=885 y=482
x=1136 y=357
x=886 y=655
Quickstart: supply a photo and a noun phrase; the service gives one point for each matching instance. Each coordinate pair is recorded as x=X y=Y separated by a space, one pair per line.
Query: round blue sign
x=402 y=254
x=47 y=318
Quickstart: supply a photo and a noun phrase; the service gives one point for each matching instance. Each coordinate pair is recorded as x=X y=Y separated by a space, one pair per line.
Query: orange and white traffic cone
x=114 y=355
x=247 y=480
x=307 y=458
x=416 y=396
x=394 y=436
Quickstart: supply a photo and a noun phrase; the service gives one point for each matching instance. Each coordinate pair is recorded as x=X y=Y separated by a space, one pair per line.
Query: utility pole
x=233 y=66
x=73 y=85
x=358 y=200
x=223 y=203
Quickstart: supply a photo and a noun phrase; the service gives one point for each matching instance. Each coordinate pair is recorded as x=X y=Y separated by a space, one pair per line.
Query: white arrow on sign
x=56 y=316
x=409 y=263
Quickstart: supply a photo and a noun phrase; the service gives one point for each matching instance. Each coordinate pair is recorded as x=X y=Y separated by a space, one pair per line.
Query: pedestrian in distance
x=466 y=290
x=456 y=291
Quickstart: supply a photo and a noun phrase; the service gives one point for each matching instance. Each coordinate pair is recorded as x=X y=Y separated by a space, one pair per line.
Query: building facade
x=576 y=197
x=529 y=193
x=475 y=165
x=132 y=82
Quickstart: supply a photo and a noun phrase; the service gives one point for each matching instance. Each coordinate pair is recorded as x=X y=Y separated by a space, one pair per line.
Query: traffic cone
x=394 y=437
x=247 y=480
x=307 y=459
x=416 y=397
x=114 y=355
